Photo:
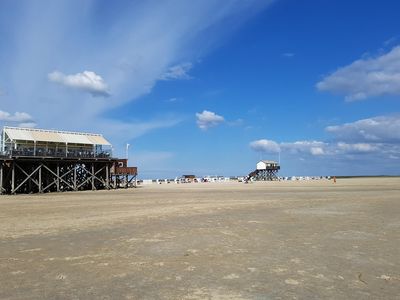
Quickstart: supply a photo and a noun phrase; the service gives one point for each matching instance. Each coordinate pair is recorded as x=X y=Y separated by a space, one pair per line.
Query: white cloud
x=367 y=77
x=305 y=147
x=208 y=119
x=87 y=81
x=385 y=129
x=357 y=147
x=177 y=72
x=265 y=146
x=16 y=117
x=315 y=148
x=299 y=147
x=317 y=151
x=373 y=138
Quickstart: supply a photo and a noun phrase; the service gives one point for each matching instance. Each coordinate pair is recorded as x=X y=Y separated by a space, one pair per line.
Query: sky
x=210 y=87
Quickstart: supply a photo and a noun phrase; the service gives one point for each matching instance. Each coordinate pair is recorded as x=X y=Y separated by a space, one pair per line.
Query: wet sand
x=271 y=240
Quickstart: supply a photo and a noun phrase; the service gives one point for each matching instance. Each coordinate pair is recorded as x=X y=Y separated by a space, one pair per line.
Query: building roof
x=268 y=161
x=54 y=136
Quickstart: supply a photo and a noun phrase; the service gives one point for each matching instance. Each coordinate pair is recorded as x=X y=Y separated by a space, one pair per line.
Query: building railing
x=54 y=153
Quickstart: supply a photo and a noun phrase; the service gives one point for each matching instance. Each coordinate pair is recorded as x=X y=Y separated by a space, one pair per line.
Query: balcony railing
x=54 y=153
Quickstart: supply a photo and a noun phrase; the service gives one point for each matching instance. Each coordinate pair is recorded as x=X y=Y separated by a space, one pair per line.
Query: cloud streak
x=177 y=72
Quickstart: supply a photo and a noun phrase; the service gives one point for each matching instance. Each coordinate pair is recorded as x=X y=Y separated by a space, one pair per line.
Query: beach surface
x=263 y=240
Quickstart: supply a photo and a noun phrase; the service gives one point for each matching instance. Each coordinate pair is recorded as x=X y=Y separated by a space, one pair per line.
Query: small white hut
x=266 y=164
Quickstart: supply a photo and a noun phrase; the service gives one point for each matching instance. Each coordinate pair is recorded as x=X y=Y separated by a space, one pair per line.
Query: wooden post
x=58 y=177
x=74 y=178
x=40 y=180
x=13 y=178
x=1 y=178
x=115 y=177
x=93 y=188
x=107 y=178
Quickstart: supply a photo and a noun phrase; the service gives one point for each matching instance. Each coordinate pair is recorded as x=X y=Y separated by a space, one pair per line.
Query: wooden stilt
x=1 y=178
x=56 y=174
x=93 y=177
x=74 y=179
x=58 y=177
x=40 y=180
x=13 y=178
x=107 y=177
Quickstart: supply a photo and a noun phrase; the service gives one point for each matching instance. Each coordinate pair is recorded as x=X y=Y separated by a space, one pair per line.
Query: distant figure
x=334 y=179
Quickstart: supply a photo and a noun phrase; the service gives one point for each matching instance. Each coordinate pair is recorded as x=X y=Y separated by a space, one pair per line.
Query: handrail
x=52 y=153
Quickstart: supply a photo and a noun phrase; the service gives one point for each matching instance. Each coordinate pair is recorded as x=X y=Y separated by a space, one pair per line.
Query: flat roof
x=268 y=161
x=54 y=136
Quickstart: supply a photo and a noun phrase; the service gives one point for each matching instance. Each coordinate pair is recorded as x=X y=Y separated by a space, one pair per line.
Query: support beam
x=64 y=181
x=1 y=178
x=58 y=177
x=115 y=179
x=28 y=176
x=40 y=180
x=74 y=183
x=93 y=177
x=13 y=178
x=107 y=177
x=22 y=174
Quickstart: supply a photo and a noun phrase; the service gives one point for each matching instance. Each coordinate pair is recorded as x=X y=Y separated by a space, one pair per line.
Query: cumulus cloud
x=317 y=151
x=367 y=77
x=357 y=147
x=305 y=147
x=16 y=117
x=177 y=72
x=265 y=146
x=87 y=81
x=208 y=119
x=385 y=129
x=298 y=147
x=315 y=148
x=373 y=138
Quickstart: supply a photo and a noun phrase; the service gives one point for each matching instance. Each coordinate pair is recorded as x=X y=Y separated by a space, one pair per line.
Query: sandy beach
x=263 y=240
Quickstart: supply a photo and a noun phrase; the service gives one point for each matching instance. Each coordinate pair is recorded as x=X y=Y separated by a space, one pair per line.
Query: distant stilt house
x=266 y=170
x=189 y=178
x=39 y=160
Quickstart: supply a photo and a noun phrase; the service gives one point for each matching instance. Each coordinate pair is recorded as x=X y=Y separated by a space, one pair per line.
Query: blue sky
x=211 y=87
